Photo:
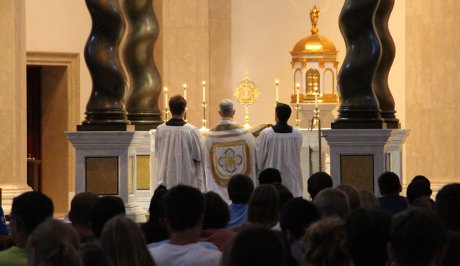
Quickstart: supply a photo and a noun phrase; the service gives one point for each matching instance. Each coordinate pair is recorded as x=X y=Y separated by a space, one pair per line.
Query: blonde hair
x=263 y=206
x=54 y=243
x=124 y=243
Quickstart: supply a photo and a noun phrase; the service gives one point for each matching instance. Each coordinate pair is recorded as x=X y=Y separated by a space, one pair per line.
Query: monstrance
x=246 y=93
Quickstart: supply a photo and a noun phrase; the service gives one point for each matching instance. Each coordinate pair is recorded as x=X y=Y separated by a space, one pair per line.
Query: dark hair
x=270 y=176
x=30 y=209
x=317 y=182
x=216 y=213
x=256 y=246
x=80 y=208
x=452 y=256
x=353 y=196
x=283 y=192
x=153 y=229
x=447 y=206
x=283 y=112
x=367 y=233
x=416 y=237
x=177 y=104
x=417 y=189
x=423 y=179
x=296 y=215
x=263 y=207
x=184 y=206
x=389 y=183
x=105 y=208
x=240 y=188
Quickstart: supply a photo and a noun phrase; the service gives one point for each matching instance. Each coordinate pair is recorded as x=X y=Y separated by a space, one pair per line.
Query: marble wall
x=432 y=111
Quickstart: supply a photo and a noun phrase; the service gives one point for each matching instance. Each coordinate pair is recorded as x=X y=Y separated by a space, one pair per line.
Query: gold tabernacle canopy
x=314 y=65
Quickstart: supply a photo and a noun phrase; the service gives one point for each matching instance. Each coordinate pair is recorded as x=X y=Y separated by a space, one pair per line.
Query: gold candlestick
x=165 y=109
x=203 y=105
x=297 y=117
x=185 y=97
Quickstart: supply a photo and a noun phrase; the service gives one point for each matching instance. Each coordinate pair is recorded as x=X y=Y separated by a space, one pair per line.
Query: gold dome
x=314 y=44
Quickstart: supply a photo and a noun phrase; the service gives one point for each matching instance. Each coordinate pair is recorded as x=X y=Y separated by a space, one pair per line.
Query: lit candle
x=204 y=90
x=277 y=94
x=185 y=90
x=166 y=97
x=298 y=93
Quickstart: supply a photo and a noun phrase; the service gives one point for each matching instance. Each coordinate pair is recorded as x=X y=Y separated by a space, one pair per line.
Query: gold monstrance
x=246 y=93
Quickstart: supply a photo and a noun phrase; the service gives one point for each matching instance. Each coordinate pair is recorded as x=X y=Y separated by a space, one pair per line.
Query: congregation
x=239 y=202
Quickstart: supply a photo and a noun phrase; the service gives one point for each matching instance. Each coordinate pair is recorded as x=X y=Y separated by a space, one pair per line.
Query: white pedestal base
x=364 y=147
x=117 y=145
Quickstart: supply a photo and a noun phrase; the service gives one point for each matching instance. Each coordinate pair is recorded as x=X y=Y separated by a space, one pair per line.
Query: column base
x=8 y=193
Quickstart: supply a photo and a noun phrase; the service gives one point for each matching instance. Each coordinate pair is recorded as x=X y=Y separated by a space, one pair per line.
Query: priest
x=178 y=149
x=228 y=150
x=279 y=147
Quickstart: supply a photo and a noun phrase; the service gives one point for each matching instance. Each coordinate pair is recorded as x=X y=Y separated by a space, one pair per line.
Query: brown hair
x=263 y=207
x=54 y=243
x=322 y=242
x=177 y=104
x=124 y=243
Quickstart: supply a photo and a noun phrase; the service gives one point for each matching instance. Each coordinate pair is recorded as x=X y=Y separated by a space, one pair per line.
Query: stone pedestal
x=105 y=163
x=140 y=146
x=394 y=160
x=358 y=156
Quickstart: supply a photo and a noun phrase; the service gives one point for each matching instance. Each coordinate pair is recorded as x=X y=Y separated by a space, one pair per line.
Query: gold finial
x=314 y=15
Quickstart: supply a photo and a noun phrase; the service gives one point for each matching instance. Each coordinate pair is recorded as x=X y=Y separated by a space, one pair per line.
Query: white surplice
x=178 y=150
x=281 y=151
x=228 y=150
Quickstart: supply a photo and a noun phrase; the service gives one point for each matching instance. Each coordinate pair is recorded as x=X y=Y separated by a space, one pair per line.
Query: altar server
x=178 y=149
x=229 y=150
x=279 y=147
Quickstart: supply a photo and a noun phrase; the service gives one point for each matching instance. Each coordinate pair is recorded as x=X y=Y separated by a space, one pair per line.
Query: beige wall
x=432 y=90
x=264 y=32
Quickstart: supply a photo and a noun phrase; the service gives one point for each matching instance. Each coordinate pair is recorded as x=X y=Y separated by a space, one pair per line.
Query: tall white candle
x=277 y=93
x=316 y=96
x=298 y=93
x=185 y=90
x=166 y=97
x=204 y=90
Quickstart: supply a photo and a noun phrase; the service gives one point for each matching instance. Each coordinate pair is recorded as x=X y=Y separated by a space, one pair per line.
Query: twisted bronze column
x=382 y=91
x=105 y=109
x=145 y=80
x=359 y=107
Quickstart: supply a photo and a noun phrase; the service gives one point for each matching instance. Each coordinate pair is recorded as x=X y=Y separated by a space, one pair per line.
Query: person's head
x=447 y=206
x=417 y=238
x=256 y=246
x=80 y=207
x=452 y=256
x=92 y=255
x=322 y=243
x=105 y=208
x=367 y=233
x=177 y=105
x=263 y=208
x=389 y=184
x=124 y=243
x=240 y=188
x=417 y=189
x=353 y=195
x=283 y=192
x=54 y=243
x=226 y=109
x=425 y=180
x=332 y=202
x=28 y=211
x=367 y=199
x=216 y=213
x=317 y=182
x=156 y=209
x=282 y=112
x=296 y=215
x=184 y=208
x=270 y=176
